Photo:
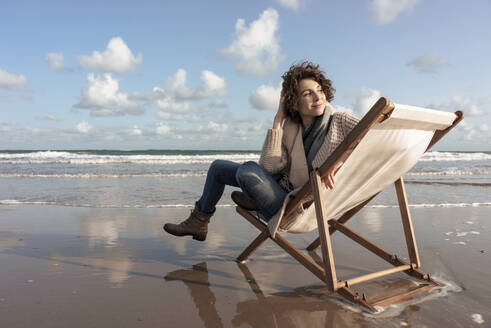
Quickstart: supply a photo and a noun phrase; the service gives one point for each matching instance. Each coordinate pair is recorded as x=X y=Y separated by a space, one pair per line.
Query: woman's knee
x=246 y=171
x=216 y=164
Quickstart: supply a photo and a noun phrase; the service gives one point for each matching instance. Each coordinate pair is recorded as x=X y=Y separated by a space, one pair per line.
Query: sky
x=206 y=74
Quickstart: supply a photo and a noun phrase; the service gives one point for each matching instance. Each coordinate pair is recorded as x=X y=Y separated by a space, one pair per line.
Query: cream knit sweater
x=284 y=148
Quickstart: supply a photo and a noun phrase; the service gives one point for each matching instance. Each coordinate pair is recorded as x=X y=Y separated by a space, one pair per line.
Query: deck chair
x=384 y=145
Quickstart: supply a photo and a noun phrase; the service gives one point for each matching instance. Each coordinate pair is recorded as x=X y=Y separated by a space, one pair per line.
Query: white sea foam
x=57 y=157
x=45 y=157
x=436 y=205
x=165 y=175
x=197 y=174
x=477 y=318
x=436 y=156
x=19 y=202
x=465 y=233
x=105 y=175
x=394 y=310
x=451 y=172
x=13 y=202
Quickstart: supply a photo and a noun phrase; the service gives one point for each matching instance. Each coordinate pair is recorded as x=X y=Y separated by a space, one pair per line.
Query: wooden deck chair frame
x=326 y=270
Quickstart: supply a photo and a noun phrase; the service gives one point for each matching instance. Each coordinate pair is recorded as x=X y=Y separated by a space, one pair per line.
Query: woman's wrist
x=277 y=122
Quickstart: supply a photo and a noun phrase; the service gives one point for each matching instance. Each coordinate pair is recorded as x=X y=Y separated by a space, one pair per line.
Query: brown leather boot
x=243 y=201
x=195 y=225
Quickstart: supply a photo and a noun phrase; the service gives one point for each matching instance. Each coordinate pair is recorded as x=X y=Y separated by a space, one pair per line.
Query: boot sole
x=199 y=237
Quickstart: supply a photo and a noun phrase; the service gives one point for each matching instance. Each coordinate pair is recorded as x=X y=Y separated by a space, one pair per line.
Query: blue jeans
x=257 y=183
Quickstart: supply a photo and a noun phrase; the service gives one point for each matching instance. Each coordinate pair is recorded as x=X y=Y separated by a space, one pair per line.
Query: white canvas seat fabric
x=387 y=151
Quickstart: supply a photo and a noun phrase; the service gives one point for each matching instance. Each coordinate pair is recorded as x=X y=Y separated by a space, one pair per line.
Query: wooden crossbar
x=375 y=275
x=377 y=250
x=306 y=261
x=343 y=219
x=327 y=271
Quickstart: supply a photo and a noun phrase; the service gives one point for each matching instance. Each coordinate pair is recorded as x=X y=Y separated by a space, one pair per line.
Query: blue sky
x=206 y=74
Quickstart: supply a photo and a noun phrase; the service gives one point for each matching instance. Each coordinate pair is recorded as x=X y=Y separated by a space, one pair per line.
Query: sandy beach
x=89 y=267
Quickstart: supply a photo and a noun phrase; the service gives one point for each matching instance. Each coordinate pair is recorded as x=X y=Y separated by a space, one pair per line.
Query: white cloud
x=217 y=127
x=385 y=11
x=256 y=49
x=101 y=96
x=470 y=135
x=468 y=130
x=178 y=117
x=83 y=127
x=265 y=97
x=219 y=103
x=56 y=62
x=365 y=99
x=11 y=81
x=6 y=126
x=176 y=84
x=428 y=63
x=339 y=108
x=469 y=106
x=135 y=131
x=47 y=118
x=169 y=106
x=117 y=58
x=289 y=4
x=8 y=123
x=483 y=127
x=464 y=125
x=213 y=86
x=171 y=98
x=164 y=115
x=162 y=129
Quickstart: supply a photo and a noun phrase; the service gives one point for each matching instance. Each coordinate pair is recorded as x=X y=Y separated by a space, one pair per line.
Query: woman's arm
x=274 y=155
x=349 y=122
x=280 y=114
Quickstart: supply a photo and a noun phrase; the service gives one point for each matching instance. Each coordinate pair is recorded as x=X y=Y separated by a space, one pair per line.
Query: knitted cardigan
x=284 y=148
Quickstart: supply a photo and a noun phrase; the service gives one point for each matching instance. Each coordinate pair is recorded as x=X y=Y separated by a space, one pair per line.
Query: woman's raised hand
x=280 y=114
x=329 y=178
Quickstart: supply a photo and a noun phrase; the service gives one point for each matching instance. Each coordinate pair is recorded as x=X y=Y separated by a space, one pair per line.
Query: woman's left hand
x=329 y=178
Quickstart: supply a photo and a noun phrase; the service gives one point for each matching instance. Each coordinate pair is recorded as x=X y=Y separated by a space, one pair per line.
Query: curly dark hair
x=291 y=79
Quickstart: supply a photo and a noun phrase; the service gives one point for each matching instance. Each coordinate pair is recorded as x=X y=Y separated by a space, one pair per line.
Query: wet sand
x=90 y=267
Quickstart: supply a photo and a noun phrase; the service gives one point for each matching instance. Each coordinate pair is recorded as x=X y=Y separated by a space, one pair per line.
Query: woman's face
x=311 y=100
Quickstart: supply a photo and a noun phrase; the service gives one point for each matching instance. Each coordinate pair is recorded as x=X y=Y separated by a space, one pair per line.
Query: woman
x=305 y=132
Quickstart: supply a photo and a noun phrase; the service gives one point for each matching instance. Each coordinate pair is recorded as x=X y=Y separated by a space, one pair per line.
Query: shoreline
x=115 y=266
x=14 y=203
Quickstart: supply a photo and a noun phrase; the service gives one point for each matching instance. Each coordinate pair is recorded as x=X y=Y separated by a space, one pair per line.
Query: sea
x=175 y=178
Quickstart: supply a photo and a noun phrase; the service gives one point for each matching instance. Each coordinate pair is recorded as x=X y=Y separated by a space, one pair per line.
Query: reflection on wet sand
x=116 y=268
x=291 y=309
x=103 y=234
x=9 y=240
x=196 y=279
x=56 y=261
x=311 y=306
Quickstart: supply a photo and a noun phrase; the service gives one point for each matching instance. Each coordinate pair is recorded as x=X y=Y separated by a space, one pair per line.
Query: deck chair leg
x=305 y=260
x=343 y=219
x=325 y=239
x=254 y=245
x=407 y=223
